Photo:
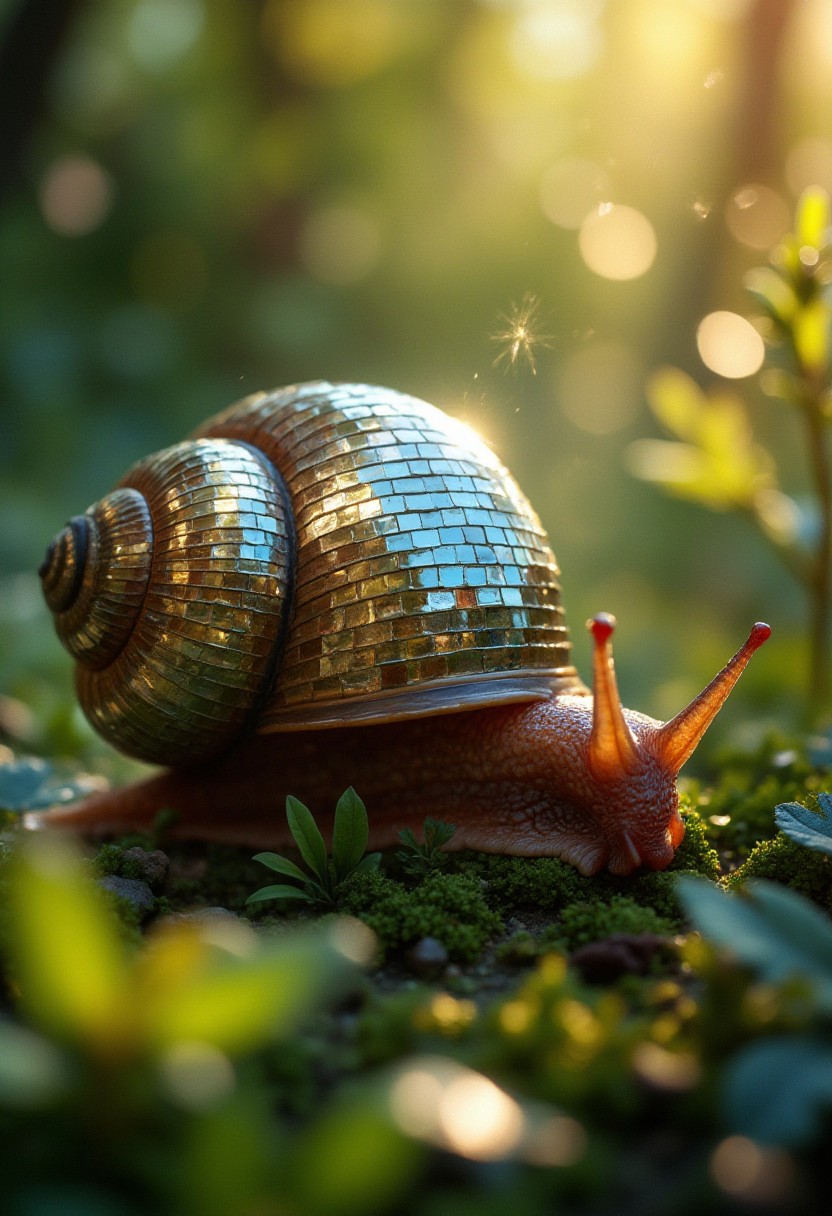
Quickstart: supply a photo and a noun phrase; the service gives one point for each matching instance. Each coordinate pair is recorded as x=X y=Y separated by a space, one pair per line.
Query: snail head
x=634 y=761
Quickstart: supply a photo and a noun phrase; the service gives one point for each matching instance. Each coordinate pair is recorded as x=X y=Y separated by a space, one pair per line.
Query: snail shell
x=338 y=555
x=316 y=557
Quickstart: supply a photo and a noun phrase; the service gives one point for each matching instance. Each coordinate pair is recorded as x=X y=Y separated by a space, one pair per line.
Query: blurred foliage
x=718 y=463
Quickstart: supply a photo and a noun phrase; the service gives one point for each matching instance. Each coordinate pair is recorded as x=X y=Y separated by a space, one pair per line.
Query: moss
x=583 y=922
x=738 y=810
x=654 y=889
x=449 y=907
x=785 y=861
x=696 y=851
x=546 y=883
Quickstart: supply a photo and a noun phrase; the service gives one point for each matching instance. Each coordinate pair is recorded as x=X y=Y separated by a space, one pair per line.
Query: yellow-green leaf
x=676 y=400
x=67 y=958
x=235 y=999
x=811 y=334
x=773 y=292
x=813 y=218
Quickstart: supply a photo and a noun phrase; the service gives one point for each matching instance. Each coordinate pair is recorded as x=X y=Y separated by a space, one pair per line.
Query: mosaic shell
x=323 y=555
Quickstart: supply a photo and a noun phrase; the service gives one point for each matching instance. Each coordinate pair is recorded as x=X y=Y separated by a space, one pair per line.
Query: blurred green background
x=201 y=198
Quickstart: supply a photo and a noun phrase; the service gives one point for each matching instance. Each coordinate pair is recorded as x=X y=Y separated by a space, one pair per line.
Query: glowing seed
x=521 y=335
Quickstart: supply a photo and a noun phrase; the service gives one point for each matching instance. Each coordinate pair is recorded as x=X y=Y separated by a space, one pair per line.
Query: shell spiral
x=172 y=593
x=322 y=555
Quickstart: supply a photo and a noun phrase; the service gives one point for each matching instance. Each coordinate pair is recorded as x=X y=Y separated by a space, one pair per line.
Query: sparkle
x=521 y=334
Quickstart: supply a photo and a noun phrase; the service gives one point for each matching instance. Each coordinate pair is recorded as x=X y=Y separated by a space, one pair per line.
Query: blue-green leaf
x=777 y=1090
x=281 y=891
x=281 y=865
x=775 y=931
x=808 y=827
x=308 y=839
x=350 y=833
x=31 y=784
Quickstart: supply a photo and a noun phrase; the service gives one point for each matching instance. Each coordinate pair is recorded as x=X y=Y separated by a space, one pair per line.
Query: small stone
x=133 y=890
x=428 y=957
x=153 y=867
x=617 y=955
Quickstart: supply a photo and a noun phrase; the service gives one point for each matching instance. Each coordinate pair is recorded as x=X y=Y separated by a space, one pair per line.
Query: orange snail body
x=338 y=584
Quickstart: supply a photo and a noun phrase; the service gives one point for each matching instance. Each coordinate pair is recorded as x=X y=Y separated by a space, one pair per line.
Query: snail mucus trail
x=340 y=584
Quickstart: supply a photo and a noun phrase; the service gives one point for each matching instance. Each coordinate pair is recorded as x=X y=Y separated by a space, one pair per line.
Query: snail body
x=337 y=584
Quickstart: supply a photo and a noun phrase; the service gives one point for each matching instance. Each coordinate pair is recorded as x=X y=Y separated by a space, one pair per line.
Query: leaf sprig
x=418 y=859
x=350 y=836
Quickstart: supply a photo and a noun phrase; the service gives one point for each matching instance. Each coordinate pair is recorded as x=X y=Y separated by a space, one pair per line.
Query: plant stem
x=821 y=581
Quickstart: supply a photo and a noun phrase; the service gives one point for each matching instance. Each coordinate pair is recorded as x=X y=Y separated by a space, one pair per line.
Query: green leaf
x=772 y=291
x=281 y=891
x=308 y=839
x=777 y=1090
x=370 y=862
x=281 y=865
x=770 y=928
x=810 y=828
x=350 y=833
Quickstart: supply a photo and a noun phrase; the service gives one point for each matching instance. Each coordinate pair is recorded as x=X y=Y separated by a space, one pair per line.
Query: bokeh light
x=617 y=242
x=557 y=39
x=75 y=195
x=160 y=32
x=334 y=42
x=729 y=345
x=750 y=1171
x=599 y=387
x=757 y=216
x=197 y=1075
x=457 y=1109
x=340 y=244
x=571 y=188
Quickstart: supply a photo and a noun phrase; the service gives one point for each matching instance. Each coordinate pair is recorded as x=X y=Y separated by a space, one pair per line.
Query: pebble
x=133 y=890
x=153 y=867
x=428 y=957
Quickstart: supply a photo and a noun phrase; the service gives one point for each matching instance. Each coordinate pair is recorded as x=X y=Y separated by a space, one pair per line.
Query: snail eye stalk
x=675 y=742
x=613 y=751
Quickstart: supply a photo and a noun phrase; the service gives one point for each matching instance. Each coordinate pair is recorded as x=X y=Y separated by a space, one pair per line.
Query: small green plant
x=350 y=834
x=418 y=859
x=716 y=461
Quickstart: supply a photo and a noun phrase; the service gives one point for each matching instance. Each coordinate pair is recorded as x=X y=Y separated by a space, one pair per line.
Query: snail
x=334 y=584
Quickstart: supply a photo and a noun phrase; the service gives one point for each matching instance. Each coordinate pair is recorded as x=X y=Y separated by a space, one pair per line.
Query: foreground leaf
x=778 y=1090
x=770 y=928
x=67 y=959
